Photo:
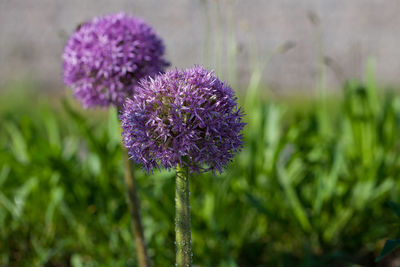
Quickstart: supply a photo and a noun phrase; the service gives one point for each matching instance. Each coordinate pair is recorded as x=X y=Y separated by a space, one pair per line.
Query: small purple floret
x=104 y=59
x=184 y=117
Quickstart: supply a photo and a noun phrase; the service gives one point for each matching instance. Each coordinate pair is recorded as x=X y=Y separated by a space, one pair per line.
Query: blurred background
x=220 y=34
x=314 y=184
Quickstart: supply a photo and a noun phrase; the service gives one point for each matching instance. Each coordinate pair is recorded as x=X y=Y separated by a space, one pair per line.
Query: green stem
x=134 y=210
x=182 y=218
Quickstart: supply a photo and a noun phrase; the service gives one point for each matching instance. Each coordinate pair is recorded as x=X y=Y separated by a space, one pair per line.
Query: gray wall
x=213 y=32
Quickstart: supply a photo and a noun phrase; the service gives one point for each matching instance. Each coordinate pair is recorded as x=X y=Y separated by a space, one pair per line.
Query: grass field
x=308 y=189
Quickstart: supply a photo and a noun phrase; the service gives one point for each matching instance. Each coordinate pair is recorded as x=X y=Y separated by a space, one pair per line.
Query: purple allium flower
x=104 y=59
x=184 y=117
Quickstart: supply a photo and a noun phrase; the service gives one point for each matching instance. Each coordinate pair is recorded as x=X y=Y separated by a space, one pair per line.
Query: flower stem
x=182 y=218
x=134 y=209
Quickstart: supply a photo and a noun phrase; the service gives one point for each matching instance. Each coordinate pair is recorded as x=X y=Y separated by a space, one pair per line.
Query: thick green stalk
x=134 y=209
x=182 y=218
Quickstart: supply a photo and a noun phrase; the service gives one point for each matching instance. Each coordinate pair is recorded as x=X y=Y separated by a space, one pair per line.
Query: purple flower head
x=184 y=117
x=104 y=59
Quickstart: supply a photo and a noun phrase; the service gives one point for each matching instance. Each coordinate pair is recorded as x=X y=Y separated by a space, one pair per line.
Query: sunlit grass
x=309 y=187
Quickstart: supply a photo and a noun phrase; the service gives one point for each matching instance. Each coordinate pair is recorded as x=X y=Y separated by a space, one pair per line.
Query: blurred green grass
x=308 y=189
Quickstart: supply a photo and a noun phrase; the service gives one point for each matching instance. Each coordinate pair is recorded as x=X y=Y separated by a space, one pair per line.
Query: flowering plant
x=106 y=57
x=103 y=61
x=187 y=120
x=186 y=117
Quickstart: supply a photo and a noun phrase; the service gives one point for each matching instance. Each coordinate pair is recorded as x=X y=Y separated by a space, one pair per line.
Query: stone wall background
x=222 y=34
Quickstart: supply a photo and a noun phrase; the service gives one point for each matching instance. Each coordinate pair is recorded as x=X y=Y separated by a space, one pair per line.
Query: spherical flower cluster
x=186 y=117
x=104 y=59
